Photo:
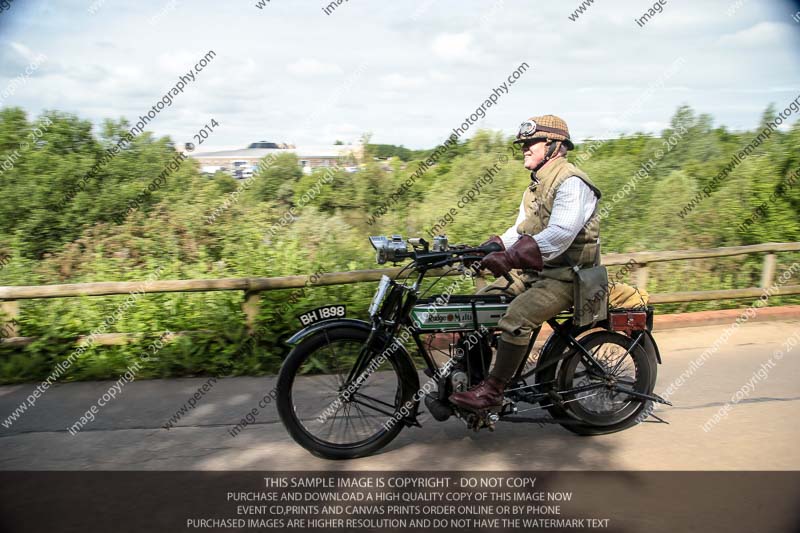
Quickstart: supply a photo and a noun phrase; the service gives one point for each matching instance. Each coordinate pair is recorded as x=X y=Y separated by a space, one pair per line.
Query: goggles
x=529 y=127
x=526 y=129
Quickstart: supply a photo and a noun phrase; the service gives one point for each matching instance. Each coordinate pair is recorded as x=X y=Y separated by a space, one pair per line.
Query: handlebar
x=436 y=259
x=453 y=255
x=493 y=247
x=395 y=249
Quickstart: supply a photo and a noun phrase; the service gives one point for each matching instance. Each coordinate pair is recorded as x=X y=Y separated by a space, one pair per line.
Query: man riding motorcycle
x=556 y=229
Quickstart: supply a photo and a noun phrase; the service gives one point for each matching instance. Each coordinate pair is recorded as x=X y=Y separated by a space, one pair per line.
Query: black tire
x=397 y=370
x=620 y=411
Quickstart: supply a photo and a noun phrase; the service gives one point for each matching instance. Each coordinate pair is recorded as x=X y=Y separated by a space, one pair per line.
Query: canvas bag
x=591 y=292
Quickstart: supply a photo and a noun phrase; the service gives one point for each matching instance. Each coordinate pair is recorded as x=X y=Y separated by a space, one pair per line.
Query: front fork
x=366 y=355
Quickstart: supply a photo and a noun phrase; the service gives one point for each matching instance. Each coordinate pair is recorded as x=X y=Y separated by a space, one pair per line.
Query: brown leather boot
x=486 y=394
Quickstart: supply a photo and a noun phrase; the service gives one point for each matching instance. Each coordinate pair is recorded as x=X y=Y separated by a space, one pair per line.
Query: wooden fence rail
x=253 y=287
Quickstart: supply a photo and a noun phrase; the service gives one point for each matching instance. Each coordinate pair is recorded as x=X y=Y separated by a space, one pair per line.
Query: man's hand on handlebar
x=493 y=244
x=524 y=254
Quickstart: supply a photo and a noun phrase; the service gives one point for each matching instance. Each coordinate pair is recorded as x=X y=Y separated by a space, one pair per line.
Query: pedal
x=486 y=418
x=491 y=420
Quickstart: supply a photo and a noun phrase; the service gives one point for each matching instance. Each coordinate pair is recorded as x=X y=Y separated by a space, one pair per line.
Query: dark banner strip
x=400 y=501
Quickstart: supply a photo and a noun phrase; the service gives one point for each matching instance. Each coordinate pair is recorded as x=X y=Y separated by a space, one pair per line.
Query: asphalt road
x=758 y=433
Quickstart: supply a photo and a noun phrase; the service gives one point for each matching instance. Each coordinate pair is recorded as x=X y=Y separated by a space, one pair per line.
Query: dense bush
x=50 y=241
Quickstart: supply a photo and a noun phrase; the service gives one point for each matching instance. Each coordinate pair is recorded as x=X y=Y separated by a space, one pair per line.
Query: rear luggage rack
x=627 y=320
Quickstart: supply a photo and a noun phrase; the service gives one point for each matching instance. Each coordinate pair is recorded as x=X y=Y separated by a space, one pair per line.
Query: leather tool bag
x=591 y=292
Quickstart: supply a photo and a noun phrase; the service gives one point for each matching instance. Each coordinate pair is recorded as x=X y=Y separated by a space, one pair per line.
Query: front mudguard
x=326 y=324
x=408 y=372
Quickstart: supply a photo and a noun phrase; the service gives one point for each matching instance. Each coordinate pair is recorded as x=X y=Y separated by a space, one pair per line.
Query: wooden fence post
x=768 y=270
x=642 y=274
x=251 y=305
x=10 y=308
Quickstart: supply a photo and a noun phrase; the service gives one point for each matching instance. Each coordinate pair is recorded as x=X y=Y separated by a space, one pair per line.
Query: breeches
x=536 y=300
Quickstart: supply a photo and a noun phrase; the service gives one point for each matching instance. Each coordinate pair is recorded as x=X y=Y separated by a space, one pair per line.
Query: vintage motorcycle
x=348 y=387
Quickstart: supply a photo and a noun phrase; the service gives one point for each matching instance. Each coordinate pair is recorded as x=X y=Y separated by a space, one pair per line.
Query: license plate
x=322 y=313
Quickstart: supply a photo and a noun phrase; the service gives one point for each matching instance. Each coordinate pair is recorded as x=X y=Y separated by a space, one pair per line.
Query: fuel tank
x=440 y=313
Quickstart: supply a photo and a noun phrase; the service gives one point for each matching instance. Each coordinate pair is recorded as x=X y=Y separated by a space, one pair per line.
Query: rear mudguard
x=651 y=346
x=408 y=372
x=555 y=349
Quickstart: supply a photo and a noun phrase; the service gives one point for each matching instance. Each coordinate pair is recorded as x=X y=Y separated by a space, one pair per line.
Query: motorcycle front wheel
x=318 y=411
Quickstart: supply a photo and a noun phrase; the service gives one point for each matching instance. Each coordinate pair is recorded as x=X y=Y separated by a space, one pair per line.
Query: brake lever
x=510 y=281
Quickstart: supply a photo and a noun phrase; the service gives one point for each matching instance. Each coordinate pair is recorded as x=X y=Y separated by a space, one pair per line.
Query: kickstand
x=661 y=420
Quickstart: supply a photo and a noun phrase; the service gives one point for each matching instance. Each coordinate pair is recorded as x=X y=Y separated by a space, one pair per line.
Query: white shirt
x=572 y=208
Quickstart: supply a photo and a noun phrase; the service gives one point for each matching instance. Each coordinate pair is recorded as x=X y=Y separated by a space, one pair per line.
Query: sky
x=406 y=72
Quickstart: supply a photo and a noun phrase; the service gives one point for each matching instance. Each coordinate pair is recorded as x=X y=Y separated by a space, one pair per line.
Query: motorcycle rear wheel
x=603 y=410
x=312 y=408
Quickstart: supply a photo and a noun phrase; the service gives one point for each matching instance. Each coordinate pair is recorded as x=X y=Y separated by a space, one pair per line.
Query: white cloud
x=454 y=46
x=24 y=51
x=269 y=77
x=593 y=53
x=401 y=82
x=389 y=96
x=313 y=67
x=762 y=34
x=436 y=75
x=176 y=61
x=654 y=126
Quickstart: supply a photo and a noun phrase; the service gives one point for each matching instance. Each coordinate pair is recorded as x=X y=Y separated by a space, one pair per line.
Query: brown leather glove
x=523 y=254
x=494 y=238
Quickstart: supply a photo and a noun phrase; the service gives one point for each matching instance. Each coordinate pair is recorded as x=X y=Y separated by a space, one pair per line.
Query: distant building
x=242 y=163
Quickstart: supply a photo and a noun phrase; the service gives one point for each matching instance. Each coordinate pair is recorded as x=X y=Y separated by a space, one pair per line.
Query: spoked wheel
x=328 y=418
x=532 y=361
x=601 y=409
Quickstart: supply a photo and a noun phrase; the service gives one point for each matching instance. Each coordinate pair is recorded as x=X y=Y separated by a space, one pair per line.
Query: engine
x=463 y=358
